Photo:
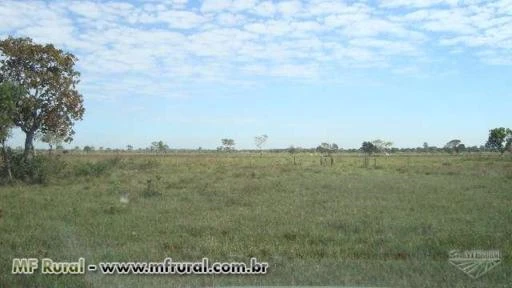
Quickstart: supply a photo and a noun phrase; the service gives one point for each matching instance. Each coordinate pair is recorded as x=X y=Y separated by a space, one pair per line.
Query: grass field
x=386 y=226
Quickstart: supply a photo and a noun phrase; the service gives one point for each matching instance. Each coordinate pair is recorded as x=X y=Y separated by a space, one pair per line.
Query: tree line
x=499 y=140
x=38 y=95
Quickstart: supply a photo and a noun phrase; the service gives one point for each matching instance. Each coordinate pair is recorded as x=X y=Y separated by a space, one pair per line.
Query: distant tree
x=228 y=144
x=260 y=141
x=460 y=148
x=88 y=149
x=382 y=146
x=129 y=148
x=473 y=148
x=52 y=139
x=159 y=146
x=50 y=102
x=323 y=147
x=500 y=139
x=425 y=147
x=368 y=148
x=326 y=150
x=292 y=150
x=454 y=145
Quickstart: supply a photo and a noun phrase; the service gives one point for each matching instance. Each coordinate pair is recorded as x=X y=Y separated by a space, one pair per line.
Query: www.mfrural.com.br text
x=167 y=266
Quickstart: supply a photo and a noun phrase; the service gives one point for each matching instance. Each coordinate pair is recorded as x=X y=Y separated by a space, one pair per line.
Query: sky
x=192 y=72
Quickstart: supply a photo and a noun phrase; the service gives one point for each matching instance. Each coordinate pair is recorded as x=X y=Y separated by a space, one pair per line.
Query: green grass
x=391 y=225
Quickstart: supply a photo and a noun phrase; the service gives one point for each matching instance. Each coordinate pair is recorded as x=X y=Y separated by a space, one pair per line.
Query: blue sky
x=303 y=72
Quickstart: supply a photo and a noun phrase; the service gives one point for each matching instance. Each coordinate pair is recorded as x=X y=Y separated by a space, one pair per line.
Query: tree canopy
x=500 y=139
x=50 y=102
x=326 y=148
x=260 y=140
x=369 y=148
x=455 y=145
x=159 y=146
x=228 y=144
x=381 y=145
x=8 y=97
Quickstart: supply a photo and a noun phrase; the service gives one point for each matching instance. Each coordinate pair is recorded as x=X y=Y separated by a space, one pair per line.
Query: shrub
x=96 y=169
x=152 y=188
x=37 y=170
x=91 y=169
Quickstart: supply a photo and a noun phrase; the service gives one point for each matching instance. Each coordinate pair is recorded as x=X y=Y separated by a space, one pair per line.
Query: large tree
x=500 y=139
x=51 y=102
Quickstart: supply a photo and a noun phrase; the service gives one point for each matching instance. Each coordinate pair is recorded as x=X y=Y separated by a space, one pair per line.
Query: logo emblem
x=475 y=263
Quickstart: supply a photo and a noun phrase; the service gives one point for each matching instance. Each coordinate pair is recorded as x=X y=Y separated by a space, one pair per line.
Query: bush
x=96 y=169
x=36 y=170
x=41 y=168
x=90 y=169
x=152 y=187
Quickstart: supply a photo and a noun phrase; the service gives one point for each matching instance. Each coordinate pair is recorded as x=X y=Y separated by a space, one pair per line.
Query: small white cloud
x=417 y=3
x=181 y=19
x=215 y=5
x=230 y=19
x=266 y=9
x=86 y=9
x=289 y=8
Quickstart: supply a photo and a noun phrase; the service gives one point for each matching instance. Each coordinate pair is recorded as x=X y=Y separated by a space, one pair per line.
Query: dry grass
x=392 y=225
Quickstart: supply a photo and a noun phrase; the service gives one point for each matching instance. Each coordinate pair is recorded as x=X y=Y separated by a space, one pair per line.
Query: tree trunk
x=7 y=161
x=29 y=146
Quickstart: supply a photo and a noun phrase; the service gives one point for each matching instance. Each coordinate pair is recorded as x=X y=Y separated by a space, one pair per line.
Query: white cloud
x=327 y=7
x=289 y=8
x=181 y=19
x=86 y=9
x=230 y=19
x=266 y=8
x=270 y=28
x=417 y=3
x=284 y=70
x=232 y=5
x=387 y=47
x=216 y=5
x=227 y=40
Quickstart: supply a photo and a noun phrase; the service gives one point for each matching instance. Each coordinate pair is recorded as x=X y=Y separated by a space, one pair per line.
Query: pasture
x=389 y=225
